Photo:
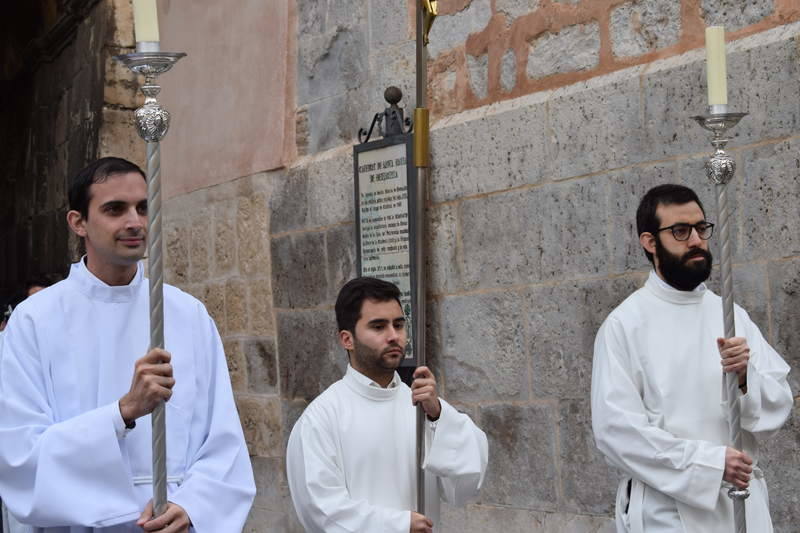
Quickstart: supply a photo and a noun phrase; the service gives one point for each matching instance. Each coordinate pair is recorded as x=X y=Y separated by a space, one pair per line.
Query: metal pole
x=152 y=123
x=155 y=268
x=720 y=169
x=426 y=12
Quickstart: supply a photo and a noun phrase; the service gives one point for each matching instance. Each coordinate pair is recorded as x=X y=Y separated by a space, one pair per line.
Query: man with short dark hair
x=351 y=458
x=78 y=383
x=659 y=411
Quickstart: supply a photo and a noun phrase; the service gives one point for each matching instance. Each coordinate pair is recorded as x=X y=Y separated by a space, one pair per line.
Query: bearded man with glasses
x=657 y=385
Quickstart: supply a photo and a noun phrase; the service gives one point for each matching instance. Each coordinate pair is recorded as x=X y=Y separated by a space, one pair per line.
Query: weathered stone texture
x=735 y=14
x=478 y=74
x=297 y=279
x=330 y=63
x=508 y=70
x=252 y=233
x=237 y=364
x=784 y=329
x=523 y=444
x=340 y=243
x=490 y=365
x=262 y=371
x=573 y=48
x=506 y=150
x=516 y=8
x=443 y=265
x=642 y=26
x=452 y=30
x=261 y=423
x=781 y=464
x=224 y=234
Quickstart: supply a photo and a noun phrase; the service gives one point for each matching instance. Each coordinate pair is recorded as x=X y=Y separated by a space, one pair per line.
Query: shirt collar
x=96 y=289
x=364 y=380
x=665 y=291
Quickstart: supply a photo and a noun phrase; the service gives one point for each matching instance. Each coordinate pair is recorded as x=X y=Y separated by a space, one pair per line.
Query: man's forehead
x=673 y=213
x=373 y=310
x=125 y=186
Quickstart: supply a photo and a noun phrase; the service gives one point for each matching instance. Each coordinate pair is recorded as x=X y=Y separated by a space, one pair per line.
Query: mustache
x=696 y=253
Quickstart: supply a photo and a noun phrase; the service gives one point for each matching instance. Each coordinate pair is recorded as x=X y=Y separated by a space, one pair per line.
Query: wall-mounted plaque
x=385 y=197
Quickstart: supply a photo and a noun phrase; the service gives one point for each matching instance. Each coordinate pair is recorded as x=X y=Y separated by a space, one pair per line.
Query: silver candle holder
x=720 y=169
x=152 y=123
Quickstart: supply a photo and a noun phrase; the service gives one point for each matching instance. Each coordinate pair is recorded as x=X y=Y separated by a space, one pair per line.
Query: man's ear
x=76 y=223
x=346 y=339
x=648 y=242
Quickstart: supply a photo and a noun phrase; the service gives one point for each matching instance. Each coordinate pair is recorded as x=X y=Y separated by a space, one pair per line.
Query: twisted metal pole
x=152 y=124
x=155 y=267
x=720 y=169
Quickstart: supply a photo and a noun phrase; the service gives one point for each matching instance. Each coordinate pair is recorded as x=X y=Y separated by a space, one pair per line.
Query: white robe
x=351 y=459
x=67 y=465
x=660 y=415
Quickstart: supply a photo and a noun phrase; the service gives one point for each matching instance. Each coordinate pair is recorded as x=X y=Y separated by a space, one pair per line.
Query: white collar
x=96 y=289
x=364 y=380
x=665 y=291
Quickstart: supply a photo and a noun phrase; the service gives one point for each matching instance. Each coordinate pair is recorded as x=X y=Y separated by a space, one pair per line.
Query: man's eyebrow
x=112 y=203
x=377 y=321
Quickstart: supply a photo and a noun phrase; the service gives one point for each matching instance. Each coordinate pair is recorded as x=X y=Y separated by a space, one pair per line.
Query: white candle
x=716 y=69
x=145 y=20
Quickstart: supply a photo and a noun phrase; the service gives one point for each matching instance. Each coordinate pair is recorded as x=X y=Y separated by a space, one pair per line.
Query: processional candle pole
x=152 y=123
x=720 y=169
x=426 y=12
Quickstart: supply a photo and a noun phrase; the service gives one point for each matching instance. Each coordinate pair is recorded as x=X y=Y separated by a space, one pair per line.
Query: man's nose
x=134 y=220
x=694 y=238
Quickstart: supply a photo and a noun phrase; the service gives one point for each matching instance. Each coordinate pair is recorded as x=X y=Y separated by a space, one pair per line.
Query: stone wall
x=65 y=108
x=530 y=225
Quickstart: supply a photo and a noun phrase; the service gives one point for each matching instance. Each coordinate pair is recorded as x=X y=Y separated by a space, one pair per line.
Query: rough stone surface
x=573 y=48
x=310 y=359
x=478 y=68
x=507 y=151
x=516 y=8
x=330 y=63
x=236 y=318
x=444 y=267
x=508 y=70
x=589 y=484
x=452 y=30
x=781 y=464
x=563 y=321
x=262 y=371
x=252 y=233
x=784 y=328
x=237 y=364
x=297 y=280
x=523 y=444
x=608 y=131
x=643 y=26
x=261 y=423
x=341 y=253
x=224 y=251
x=259 y=305
x=490 y=366
x=735 y=14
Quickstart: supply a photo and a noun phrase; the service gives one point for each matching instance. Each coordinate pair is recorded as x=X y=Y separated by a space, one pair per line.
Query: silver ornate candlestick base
x=720 y=169
x=152 y=123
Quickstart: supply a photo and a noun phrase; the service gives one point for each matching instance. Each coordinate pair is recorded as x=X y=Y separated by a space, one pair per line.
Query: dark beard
x=679 y=272
x=372 y=360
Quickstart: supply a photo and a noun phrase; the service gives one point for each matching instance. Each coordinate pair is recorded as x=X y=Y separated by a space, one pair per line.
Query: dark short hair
x=96 y=172
x=668 y=194
x=352 y=296
x=42 y=280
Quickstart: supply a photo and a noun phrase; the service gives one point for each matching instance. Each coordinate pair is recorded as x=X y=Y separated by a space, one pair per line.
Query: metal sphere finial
x=393 y=95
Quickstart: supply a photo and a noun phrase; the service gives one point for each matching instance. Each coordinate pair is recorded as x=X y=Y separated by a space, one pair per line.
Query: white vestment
x=67 y=463
x=660 y=414
x=351 y=459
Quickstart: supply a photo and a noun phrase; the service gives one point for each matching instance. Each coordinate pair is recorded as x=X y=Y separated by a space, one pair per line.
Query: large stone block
x=266 y=521
x=213 y=296
x=478 y=74
x=574 y=239
x=331 y=62
x=784 y=329
x=643 y=26
x=767 y=189
x=625 y=190
x=764 y=74
x=452 y=30
x=562 y=323
x=781 y=464
x=393 y=65
x=341 y=255
x=594 y=125
x=489 y=152
x=330 y=190
x=259 y=307
x=479 y=518
x=574 y=48
x=252 y=233
x=272 y=488
x=261 y=423
x=523 y=448
x=200 y=248
x=499 y=244
x=442 y=249
x=262 y=367
x=735 y=14
x=589 y=484
x=388 y=22
x=177 y=251
x=334 y=120
x=224 y=239
x=298 y=278
x=750 y=291
x=484 y=348
x=309 y=357
x=236 y=318
x=289 y=203
x=237 y=364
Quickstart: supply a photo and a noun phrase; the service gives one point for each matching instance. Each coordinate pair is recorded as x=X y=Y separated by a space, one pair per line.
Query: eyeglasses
x=682 y=231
